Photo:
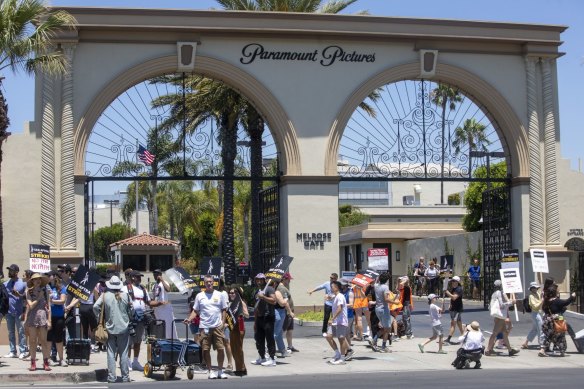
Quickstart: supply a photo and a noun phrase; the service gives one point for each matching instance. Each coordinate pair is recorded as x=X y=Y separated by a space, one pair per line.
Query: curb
x=305 y=323
x=74 y=378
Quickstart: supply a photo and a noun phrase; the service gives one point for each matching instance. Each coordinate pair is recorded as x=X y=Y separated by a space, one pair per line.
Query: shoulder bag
x=495 y=307
x=101 y=334
x=560 y=325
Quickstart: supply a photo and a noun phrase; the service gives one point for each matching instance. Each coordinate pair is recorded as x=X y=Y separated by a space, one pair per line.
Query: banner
x=40 y=258
x=364 y=278
x=210 y=266
x=510 y=259
x=83 y=283
x=181 y=279
x=511 y=280
x=279 y=267
x=378 y=259
x=539 y=261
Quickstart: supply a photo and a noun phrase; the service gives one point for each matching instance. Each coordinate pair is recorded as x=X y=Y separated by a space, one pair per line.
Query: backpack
x=526 y=306
x=4 y=299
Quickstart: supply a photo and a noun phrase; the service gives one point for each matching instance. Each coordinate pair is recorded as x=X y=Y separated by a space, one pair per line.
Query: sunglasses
x=231 y=292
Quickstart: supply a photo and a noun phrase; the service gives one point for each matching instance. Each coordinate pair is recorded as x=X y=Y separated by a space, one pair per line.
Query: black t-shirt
x=263 y=308
x=406 y=292
x=456 y=305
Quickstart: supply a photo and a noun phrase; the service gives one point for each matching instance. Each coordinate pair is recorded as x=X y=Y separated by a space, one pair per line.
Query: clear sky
x=19 y=89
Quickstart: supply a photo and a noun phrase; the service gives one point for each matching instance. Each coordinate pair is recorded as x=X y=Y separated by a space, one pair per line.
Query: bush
x=311 y=316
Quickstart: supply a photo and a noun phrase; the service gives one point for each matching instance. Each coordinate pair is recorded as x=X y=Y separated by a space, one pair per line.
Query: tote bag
x=100 y=332
x=495 y=307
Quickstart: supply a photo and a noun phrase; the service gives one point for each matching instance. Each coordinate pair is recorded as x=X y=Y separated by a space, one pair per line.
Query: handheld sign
x=510 y=259
x=181 y=279
x=40 y=258
x=279 y=267
x=82 y=285
x=364 y=278
x=539 y=261
x=378 y=258
x=210 y=266
x=446 y=261
x=511 y=282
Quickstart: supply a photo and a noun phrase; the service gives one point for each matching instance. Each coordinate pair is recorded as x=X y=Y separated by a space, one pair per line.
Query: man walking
x=455 y=294
x=289 y=321
x=211 y=307
x=264 y=318
x=339 y=323
x=383 y=297
x=16 y=289
x=328 y=300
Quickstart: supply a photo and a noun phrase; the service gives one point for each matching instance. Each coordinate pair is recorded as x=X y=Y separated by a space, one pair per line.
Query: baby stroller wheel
x=190 y=373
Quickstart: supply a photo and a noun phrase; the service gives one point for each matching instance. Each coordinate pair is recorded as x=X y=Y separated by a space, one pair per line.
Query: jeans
x=536 y=328
x=264 y=333
x=15 y=324
x=406 y=315
x=278 y=330
x=118 y=345
x=328 y=309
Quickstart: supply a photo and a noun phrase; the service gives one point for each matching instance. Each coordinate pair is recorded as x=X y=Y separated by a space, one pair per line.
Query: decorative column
x=68 y=221
x=48 y=215
x=550 y=158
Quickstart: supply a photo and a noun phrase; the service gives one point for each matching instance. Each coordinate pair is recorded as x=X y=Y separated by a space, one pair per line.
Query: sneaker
x=94 y=349
x=229 y=368
x=10 y=355
x=222 y=375
x=136 y=366
x=284 y=354
x=324 y=334
x=384 y=350
x=64 y=363
x=374 y=347
x=24 y=355
x=53 y=363
x=129 y=365
x=421 y=347
x=513 y=351
x=500 y=346
x=269 y=362
x=340 y=361
x=212 y=375
x=441 y=352
x=349 y=354
x=258 y=361
x=410 y=336
x=292 y=349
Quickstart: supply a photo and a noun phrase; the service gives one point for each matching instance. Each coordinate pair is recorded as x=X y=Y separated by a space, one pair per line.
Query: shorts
x=340 y=331
x=214 y=337
x=455 y=316
x=140 y=329
x=57 y=332
x=437 y=330
x=476 y=284
x=288 y=324
x=384 y=317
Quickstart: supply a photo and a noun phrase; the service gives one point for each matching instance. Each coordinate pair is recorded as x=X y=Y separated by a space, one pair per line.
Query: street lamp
x=111 y=204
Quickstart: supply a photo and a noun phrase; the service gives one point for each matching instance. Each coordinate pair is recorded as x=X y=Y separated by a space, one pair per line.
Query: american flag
x=145 y=156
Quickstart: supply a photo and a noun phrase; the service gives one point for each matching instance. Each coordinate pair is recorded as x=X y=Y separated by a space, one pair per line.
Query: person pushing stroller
x=471 y=349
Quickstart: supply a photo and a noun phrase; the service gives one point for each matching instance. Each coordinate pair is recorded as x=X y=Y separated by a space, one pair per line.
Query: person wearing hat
x=407 y=301
x=471 y=349
x=16 y=289
x=535 y=303
x=164 y=310
x=264 y=318
x=288 y=327
x=117 y=314
x=437 y=331
x=500 y=298
x=455 y=294
x=38 y=318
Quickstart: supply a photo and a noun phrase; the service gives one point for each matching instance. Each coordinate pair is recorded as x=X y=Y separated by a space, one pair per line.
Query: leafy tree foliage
x=349 y=215
x=105 y=236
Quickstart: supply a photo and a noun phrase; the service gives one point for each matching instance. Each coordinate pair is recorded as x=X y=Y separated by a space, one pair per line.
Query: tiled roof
x=146 y=240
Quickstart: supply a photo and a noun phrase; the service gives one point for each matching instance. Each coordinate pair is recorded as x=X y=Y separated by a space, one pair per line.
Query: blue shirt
x=474 y=272
x=56 y=309
x=327 y=289
x=16 y=302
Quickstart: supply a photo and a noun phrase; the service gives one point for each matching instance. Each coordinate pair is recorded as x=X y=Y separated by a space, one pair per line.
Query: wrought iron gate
x=496 y=235
x=269 y=226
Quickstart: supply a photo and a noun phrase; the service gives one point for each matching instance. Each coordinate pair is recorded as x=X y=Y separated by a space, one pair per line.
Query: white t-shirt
x=164 y=312
x=210 y=307
x=435 y=314
x=474 y=340
x=139 y=301
x=340 y=303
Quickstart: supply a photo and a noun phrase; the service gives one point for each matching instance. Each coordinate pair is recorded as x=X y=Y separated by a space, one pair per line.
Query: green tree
x=350 y=215
x=444 y=95
x=473 y=198
x=27 y=28
x=105 y=236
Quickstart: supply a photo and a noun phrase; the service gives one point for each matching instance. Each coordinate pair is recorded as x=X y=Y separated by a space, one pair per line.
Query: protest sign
x=181 y=279
x=40 y=258
x=511 y=280
x=539 y=261
x=83 y=283
x=279 y=267
x=364 y=278
x=510 y=259
x=378 y=259
x=210 y=266
x=446 y=262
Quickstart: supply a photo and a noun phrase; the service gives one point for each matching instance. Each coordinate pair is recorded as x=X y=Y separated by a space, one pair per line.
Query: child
x=435 y=314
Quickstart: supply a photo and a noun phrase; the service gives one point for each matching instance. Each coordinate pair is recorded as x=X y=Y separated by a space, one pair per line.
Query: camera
x=132 y=329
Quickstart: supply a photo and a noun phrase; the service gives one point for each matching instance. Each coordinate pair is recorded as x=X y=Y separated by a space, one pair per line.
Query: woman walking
x=553 y=309
x=238 y=310
x=500 y=298
x=535 y=303
x=38 y=318
x=117 y=311
x=57 y=331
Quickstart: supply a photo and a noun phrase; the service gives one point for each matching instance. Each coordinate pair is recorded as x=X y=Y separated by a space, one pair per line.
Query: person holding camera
x=164 y=310
x=118 y=314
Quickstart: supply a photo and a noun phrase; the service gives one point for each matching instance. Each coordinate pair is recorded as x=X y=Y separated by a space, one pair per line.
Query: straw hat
x=44 y=280
x=474 y=326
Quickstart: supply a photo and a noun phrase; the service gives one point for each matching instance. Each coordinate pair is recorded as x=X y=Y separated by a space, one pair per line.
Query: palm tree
x=306 y=6
x=444 y=95
x=471 y=133
x=27 y=28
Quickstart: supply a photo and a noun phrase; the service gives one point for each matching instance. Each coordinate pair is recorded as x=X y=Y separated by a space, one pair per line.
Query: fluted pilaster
x=550 y=158
x=68 y=226
x=48 y=215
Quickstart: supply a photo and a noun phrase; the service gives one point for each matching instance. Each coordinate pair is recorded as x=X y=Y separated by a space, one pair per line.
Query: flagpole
x=136 y=184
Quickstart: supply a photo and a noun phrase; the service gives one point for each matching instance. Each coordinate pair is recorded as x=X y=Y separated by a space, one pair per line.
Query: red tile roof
x=146 y=240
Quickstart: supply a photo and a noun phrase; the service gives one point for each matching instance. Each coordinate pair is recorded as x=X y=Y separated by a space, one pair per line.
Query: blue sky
x=19 y=89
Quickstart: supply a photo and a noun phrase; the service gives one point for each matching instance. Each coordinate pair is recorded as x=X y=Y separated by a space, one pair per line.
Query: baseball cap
x=456 y=278
x=260 y=275
x=498 y=283
x=13 y=267
x=287 y=276
x=136 y=273
x=157 y=271
x=431 y=296
x=66 y=268
x=534 y=285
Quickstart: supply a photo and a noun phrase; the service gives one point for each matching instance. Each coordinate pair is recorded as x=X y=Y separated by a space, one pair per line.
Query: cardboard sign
x=539 y=261
x=40 y=258
x=279 y=267
x=210 y=266
x=511 y=280
x=181 y=279
x=82 y=285
x=364 y=278
x=378 y=258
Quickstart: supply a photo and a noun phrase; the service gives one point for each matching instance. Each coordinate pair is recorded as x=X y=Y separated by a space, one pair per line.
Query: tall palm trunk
x=4 y=122
x=256 y=131
x=228 y=154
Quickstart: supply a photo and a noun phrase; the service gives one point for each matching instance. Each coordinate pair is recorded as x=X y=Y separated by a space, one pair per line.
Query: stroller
x=465 y=357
